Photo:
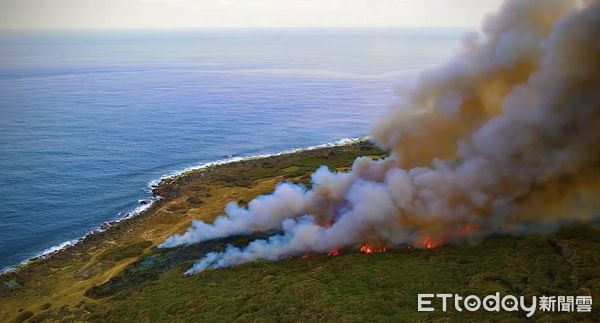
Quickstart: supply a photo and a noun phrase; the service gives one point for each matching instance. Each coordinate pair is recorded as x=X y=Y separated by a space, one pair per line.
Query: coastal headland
x=119 y=274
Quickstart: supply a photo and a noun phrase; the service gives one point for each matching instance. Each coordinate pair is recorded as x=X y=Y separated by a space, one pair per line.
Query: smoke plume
x=503 y=138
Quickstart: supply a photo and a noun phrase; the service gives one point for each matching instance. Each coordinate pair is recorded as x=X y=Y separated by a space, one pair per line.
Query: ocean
x=88 y=118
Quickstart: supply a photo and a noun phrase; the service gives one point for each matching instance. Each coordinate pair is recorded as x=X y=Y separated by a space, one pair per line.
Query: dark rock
x=145 y=201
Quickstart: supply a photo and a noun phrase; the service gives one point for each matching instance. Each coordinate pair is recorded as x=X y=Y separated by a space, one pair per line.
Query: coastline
x=61 y=278
x=119 y=273
x=156 y=186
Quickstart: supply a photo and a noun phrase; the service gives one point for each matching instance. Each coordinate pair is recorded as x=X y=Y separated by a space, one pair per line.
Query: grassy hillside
x=120 y=276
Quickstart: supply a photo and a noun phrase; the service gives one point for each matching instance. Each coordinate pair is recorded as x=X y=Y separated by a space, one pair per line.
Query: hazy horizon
x=204 y=14
x=271 y=28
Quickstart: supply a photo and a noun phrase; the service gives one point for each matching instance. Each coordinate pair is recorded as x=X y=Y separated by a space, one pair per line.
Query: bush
x=130 y=250
x=23 y=316
x=194 y=201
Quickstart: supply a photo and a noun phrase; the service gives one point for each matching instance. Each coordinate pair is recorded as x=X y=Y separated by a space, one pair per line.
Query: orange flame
x=370 y=249
x=334 y=252
x=430 y=244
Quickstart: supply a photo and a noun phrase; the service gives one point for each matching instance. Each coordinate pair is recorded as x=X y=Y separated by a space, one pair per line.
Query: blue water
x=88 y=118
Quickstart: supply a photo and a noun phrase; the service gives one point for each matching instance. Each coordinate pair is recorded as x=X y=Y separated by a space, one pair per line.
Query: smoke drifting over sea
x=504 y=138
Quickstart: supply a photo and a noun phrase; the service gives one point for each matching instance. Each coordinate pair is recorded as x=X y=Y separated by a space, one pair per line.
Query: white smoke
x=474 y=141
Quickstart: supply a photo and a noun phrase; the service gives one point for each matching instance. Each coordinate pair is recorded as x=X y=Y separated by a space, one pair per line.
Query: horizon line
x=233 y=28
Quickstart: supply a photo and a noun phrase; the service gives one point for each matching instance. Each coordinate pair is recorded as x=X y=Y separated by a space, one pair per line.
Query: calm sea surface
x=88 y=118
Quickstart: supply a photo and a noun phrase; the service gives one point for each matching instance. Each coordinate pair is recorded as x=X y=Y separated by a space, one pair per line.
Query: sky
x=242 y=13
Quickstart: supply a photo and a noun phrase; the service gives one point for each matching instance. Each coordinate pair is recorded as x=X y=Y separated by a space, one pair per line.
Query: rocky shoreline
x=170 y=187
x=192 y=194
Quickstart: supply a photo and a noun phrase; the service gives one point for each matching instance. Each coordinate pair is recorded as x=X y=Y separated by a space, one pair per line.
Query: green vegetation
x=131 y=250
x=153 y=265
x=120 y=275
x=194 y=201
x=352 y=286
x=297 y=168
x=23 y=316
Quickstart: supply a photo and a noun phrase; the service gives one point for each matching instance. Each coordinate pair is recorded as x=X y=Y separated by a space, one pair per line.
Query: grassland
x=119 y=275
